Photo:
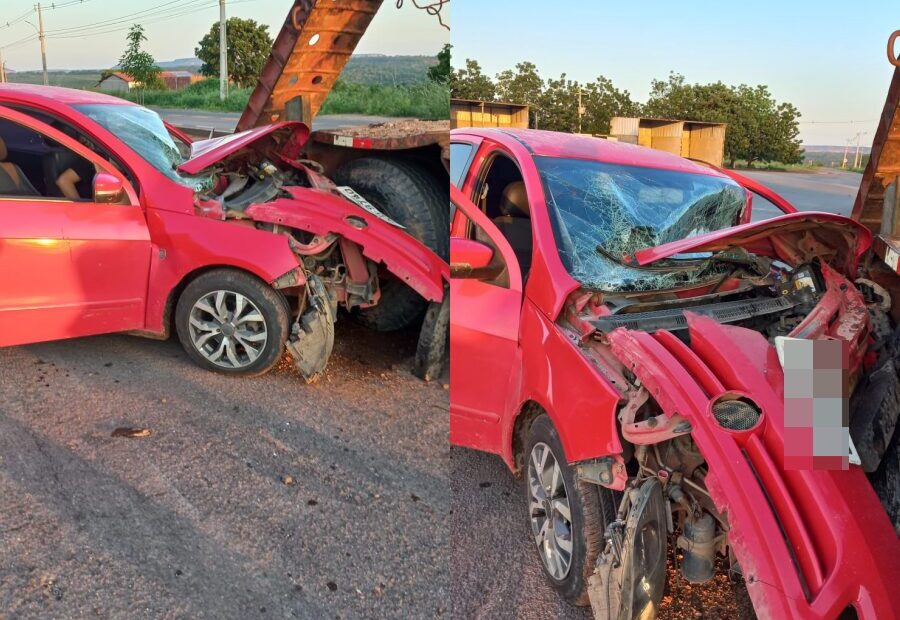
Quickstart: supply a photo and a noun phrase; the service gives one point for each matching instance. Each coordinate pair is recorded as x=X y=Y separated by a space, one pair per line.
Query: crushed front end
x=702 y=423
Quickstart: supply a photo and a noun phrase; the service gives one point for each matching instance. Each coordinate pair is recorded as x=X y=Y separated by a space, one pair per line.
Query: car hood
x=275 y=141
x=794 y=238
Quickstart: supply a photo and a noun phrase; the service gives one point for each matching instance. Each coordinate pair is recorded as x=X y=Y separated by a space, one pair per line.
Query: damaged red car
x=614 y=313
x=110 y=221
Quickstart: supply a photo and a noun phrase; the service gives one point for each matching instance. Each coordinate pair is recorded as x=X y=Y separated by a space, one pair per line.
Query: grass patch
x=199 y=96
x=426 y=101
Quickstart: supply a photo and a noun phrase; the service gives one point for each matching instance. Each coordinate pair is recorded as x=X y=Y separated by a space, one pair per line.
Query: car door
x=485 y=309
x=70 y=268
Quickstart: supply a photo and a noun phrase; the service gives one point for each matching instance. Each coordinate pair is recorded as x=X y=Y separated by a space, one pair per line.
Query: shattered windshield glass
x=144 y=131
x=603 y=211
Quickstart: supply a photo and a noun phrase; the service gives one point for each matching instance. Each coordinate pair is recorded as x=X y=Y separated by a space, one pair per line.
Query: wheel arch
x=167 y=319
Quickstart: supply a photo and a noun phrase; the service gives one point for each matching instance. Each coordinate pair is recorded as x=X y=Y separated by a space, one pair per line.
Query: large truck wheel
x=413 y=197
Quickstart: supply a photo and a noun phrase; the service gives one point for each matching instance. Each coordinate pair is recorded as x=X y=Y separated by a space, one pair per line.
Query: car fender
x=183 y=244
x=569 y=386
x=321 y=212
x=792 y=531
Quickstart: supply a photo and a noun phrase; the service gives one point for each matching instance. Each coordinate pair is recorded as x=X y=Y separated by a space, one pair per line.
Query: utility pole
x=857 y=161
x=580 y=110
x=223 y=53
x=2 y=67
x=43 y=46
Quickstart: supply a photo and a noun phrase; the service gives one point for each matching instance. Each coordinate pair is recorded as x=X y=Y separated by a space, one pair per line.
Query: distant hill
x=370 y=69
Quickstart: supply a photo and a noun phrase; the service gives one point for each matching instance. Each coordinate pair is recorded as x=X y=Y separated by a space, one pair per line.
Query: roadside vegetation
x=760 y=129
x=428 y=101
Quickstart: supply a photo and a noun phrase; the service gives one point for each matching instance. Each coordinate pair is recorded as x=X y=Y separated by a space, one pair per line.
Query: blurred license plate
x=350 y=194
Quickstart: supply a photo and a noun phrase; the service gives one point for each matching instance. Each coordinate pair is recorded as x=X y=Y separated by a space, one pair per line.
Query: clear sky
x=826 y=57
x=175 y=27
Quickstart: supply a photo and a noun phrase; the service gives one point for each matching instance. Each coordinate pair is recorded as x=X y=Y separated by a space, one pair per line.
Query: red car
x=111 y=222
x=613 y=317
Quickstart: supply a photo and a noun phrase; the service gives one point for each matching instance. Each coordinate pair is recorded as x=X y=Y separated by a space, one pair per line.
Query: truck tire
x=231 y=322
x=409 y=194
x=590 y=507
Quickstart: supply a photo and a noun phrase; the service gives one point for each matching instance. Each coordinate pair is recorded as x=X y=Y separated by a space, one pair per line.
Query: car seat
x=515 y=223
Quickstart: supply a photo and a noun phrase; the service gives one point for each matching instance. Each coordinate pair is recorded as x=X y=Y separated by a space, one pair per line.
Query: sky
x=174 y=27
x=826 y=57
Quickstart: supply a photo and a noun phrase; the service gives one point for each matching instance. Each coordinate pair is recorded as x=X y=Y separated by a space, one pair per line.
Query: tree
x=440 y=73
x=248 y=49
x=471 y=83
x=137 y=64
x=523 y=86
x=759 y=128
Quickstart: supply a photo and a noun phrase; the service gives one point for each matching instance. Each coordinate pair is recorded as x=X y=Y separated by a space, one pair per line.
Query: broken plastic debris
x=124 y=431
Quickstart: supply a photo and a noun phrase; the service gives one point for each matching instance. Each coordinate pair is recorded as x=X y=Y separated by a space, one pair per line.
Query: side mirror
x=468 y=257
x=108 y=188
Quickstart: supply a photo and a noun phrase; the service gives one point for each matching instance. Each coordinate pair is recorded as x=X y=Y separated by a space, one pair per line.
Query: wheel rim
x=549 y=511
x=228 y=329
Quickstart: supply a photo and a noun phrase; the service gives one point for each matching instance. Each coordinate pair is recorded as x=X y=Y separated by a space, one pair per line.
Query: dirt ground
x=496 y=573
x=253 y=498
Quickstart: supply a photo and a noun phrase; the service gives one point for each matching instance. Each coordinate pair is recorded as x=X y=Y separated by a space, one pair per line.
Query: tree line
x=759 y=127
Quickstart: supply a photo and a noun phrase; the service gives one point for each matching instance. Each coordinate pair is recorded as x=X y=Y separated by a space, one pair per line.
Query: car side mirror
x=468 y=258
x=108 y=188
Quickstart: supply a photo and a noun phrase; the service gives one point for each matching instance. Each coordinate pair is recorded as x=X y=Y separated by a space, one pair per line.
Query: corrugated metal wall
x=464 y=113
x=703 y=141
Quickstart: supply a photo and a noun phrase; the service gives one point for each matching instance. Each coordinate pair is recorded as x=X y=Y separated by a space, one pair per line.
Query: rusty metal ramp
x=309 y=54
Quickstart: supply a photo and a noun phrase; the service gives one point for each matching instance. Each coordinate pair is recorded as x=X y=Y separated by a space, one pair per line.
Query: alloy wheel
x=549 y=511
x=228 y=329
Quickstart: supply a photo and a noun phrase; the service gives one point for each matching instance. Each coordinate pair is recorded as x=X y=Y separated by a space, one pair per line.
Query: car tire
x=591 y=507
x=263 y=319
x=410 y=195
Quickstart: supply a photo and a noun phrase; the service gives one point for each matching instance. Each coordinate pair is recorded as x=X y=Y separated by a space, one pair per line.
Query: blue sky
x=826 y=57
x=393 y=31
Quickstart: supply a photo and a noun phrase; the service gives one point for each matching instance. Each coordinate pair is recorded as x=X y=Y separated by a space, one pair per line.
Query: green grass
x=199 y=96
x=426 y=101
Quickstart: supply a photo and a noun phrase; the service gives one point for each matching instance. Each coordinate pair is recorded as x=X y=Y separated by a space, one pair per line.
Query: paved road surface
x=829 y=190
x=195 y=521
x=495 y=572
x=226 y=121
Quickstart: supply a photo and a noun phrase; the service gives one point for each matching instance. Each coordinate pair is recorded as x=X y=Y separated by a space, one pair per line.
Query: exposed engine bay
x=773 y=302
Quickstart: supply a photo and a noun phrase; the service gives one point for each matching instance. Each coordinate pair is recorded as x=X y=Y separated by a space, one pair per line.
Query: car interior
x=504 y=200
x=31 y=164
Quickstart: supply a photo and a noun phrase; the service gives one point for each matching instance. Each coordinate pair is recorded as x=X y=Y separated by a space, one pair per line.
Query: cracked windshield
x=603 y=211
x=144 y=131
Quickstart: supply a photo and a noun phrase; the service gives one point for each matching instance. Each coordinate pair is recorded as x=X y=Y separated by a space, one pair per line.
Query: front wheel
x=229 y=321
x=566 y=516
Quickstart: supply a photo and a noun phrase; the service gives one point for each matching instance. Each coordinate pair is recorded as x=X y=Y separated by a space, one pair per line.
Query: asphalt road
x=197 y=520
x=226 y=121
x=825 y=190
x=495 y=572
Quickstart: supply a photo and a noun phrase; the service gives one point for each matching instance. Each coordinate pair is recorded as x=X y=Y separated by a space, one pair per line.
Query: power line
x=18 y=20
x=139 y=15
x=181 y=11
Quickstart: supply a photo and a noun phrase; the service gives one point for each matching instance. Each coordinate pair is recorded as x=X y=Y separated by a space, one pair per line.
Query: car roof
x=66 y=96
x=574 y=146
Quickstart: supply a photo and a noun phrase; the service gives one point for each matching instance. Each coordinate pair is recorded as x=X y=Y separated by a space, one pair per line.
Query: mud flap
x=312 y=335
x=432 y=348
